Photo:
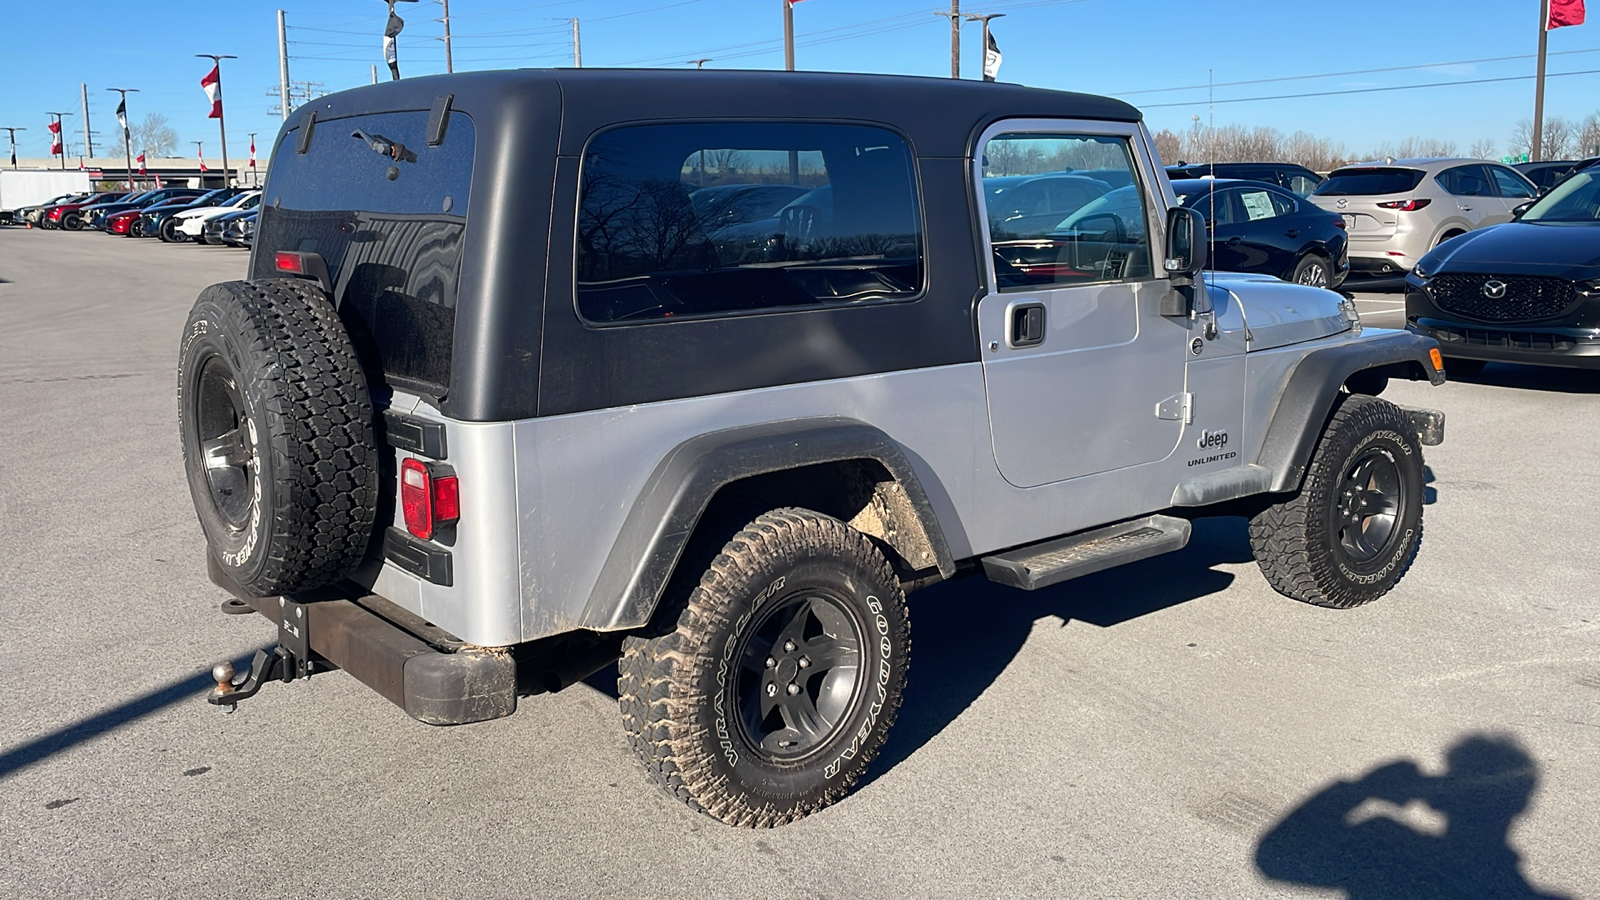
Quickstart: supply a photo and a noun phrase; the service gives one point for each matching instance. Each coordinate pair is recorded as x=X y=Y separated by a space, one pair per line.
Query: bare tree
x=1169 y=146
x=1522 y=139
x=1483 y=148
x=1588 y=141
x=1417 y=148
x=1559 y=136
x=153 y=135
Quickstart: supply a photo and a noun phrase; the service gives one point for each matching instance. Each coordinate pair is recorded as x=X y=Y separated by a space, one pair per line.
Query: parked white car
x=192 y=222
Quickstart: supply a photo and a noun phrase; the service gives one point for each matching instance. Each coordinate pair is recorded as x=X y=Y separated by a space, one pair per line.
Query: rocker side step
x=1065 y=558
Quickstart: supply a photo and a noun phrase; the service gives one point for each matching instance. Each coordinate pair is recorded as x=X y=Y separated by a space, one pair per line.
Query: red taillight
x=290 y=262
x=1405 y=205
x=428 y=498
x=1338 y=222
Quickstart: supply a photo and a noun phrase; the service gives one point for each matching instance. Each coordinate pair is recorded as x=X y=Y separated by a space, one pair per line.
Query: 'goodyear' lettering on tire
x=719 y=702
x=881 y=686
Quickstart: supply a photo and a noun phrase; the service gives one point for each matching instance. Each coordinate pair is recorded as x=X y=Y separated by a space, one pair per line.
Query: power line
x=1462 y=62
x=1374 y=90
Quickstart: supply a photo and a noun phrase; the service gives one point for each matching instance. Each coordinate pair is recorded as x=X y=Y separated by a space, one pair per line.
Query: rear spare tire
x=277 y=430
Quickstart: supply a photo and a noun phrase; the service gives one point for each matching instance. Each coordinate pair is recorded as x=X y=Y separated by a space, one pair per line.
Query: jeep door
x=1076 y=356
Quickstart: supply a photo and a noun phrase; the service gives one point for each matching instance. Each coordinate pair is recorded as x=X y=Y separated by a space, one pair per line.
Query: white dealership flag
x=140 y=160
x=122 y=114
x=991 y=60
x=391 y=46
x=211 y=85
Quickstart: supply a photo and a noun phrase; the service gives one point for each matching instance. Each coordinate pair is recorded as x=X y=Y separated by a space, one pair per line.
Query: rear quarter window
x=387 y=213
x=662 y=233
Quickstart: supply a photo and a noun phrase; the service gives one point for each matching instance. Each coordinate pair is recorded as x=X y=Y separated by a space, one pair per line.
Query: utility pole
x=577 y=46
x=983 y=48
x=61 y=135
x=449 y=63
x=283 y=66
x=954 y=15
x=700 y=63
x=127 y=146
x=13 y=142
x=1535 y=153
x=88 y=142
x=222 y=117
x=788 y=35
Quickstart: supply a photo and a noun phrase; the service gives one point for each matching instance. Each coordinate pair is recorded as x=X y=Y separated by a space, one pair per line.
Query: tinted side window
x=1464 y=181
x=649 y=250
x=1510 y=185
x=1105 y=239
x=1219 y=207
x=1300 y=184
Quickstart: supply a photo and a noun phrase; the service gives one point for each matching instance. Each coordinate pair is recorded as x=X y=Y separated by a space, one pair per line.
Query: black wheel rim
x=798 y=679
x=225 y=444
x=1371 y=504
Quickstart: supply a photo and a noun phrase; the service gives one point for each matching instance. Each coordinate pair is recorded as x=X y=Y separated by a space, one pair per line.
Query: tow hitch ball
x=289 y=660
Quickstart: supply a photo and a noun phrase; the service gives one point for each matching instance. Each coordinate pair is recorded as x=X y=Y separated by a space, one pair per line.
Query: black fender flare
x=1313 y=388
x=668 y=508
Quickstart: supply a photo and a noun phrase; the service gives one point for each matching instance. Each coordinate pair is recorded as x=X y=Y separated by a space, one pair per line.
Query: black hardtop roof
x=931 y=110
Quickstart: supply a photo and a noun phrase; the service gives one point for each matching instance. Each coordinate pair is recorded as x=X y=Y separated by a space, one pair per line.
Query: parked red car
x=124 y=223
x=65 y=215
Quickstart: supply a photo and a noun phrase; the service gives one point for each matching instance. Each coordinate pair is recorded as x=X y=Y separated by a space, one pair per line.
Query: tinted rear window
x=388 y=220
x=1358 y=182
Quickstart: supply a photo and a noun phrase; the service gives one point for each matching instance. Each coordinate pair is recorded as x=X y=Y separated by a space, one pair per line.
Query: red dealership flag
x=252 y=153
x=211 y=84
x=1564 y=13
x=202 y=156
x=140 y=160
x=55 y=138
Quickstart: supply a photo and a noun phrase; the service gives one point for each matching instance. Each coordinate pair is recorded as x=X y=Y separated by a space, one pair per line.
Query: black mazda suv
x=1527 y=291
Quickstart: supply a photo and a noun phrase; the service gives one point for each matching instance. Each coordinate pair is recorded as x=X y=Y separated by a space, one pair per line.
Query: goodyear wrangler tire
x=781 y=678
x=1353 y=530
x=277 y=430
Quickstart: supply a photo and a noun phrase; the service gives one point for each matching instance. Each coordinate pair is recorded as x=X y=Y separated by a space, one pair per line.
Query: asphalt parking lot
x=1170 y=729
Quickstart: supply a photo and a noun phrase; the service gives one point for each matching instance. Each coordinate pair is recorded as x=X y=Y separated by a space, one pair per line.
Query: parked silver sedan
x=1398 y=210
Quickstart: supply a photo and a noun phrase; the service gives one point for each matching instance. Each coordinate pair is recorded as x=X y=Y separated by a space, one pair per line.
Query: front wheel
x=781 y=678
x=169 y=233
x=72 y=222
x=1354 y=527
x=1314 y=271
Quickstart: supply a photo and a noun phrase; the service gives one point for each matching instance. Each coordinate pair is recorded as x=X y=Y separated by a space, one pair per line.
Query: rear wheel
x=1351 y=532
x=780 y=678
x=72 y=221
x=168 y=232
x=1314 y=271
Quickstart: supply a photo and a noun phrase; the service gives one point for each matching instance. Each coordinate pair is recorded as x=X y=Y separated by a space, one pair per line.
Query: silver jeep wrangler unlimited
x=707 y=371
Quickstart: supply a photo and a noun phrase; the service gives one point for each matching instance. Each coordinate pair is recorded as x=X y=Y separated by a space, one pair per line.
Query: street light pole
x=700 y=63
x=13 y=142
x=577 y=46
x=222 y=116
x=788 y=35
x=984 y=47
x=61 y=133
x=127 y=145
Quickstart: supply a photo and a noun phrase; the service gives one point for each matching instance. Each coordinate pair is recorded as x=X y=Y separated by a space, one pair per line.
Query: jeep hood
x=1277 y=313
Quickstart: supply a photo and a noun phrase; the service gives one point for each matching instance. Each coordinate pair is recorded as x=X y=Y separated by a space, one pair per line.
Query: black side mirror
x=1186 y=244
x=1520 y=208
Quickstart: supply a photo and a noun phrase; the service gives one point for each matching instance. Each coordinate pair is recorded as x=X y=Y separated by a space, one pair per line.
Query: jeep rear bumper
x=426 y=672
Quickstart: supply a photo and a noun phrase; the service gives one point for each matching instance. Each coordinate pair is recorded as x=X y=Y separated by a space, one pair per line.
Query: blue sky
x=1135 y=49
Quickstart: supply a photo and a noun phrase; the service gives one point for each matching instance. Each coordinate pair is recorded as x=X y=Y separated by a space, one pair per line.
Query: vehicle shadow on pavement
x=28 y=753
x=1396 y=832
x=1535 y=378
x=957 y=655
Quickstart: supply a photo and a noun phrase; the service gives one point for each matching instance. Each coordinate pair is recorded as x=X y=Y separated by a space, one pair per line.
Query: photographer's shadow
x=1399 y=833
